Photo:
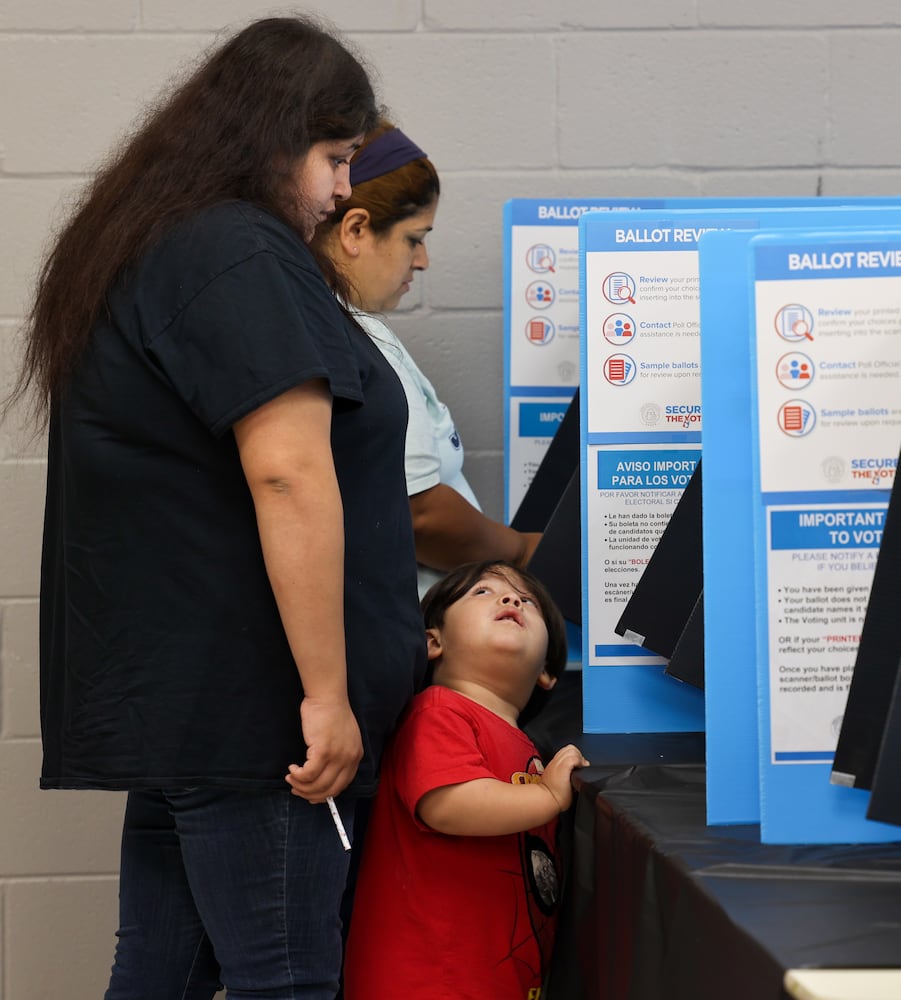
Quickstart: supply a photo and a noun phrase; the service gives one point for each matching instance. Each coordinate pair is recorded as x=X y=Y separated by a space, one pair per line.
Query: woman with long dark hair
x=228 y=587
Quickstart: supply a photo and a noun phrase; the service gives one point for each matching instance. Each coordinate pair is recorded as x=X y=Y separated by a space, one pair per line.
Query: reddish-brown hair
x=389 y=198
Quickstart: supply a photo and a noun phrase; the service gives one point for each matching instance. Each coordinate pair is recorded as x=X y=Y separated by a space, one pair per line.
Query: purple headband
x=392 y=149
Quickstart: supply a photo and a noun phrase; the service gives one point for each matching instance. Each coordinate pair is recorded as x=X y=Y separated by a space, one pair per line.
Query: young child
x=458 y=883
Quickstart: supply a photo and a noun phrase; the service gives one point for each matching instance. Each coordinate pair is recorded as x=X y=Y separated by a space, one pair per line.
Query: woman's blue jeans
x=240 y=888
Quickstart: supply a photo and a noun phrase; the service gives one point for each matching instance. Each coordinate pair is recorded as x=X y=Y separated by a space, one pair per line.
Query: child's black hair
x=452 y=587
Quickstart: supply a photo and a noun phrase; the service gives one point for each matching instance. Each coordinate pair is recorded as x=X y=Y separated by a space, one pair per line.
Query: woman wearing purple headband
x=376 y=241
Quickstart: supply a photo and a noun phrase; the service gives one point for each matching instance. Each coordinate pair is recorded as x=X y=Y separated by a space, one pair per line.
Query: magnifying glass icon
x=547 y=264
x=619 y=288
x=802 y=328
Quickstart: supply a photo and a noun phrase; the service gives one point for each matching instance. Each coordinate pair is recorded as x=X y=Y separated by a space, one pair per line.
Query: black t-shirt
x=163 y=657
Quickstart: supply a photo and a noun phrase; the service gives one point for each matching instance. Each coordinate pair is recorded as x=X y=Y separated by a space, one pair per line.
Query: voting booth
x=725 y=595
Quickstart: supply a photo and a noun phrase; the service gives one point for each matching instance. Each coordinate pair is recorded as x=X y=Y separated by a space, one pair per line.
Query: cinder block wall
x=511 y=98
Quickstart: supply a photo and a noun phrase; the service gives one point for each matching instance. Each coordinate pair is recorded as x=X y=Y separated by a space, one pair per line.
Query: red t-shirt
x=437 y=916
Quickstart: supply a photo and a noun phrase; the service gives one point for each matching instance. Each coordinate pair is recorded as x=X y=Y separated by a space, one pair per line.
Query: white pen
x=339 y=826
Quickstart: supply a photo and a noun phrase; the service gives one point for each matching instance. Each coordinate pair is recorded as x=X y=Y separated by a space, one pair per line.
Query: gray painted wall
x=510 y=99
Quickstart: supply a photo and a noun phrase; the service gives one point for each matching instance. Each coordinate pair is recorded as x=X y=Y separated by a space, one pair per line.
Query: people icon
x=540 y=295
x=795 y=370
x=618 y=327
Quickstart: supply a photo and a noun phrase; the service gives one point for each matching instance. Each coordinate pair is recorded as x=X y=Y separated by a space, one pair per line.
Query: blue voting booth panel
x=822 y=431
x=676 y=709
x=729 y=627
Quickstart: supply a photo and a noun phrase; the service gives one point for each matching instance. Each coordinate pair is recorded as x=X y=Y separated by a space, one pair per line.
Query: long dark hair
x=231 y=131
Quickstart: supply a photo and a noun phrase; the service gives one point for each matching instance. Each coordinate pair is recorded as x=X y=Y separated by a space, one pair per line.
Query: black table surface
x=660 y=905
